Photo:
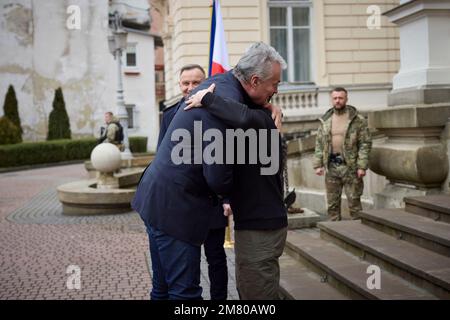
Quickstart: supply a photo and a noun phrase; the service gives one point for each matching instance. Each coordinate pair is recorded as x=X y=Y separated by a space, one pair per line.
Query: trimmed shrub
x=80 y=149
x=58 y=122
x=9 y=133
x=11 y=112
x=138 y=144
x=30 y=153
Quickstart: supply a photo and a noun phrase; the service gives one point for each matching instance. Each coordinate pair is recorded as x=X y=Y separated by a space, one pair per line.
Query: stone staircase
x=410 y=246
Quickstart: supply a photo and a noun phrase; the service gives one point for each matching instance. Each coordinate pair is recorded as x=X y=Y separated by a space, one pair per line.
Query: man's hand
x=320 y=171
x=227 y=210
x=277 y=115
x=195 y=101
x=361 y=173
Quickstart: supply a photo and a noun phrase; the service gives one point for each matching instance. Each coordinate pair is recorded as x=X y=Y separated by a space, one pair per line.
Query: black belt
x=336 y=158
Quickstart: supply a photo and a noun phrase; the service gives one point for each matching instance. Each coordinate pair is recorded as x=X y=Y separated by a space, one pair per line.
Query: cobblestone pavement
x=39 y=246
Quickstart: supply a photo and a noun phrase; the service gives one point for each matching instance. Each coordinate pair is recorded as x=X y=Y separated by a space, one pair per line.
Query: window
x=130 y=60
x=290 y=35
x=130 y=112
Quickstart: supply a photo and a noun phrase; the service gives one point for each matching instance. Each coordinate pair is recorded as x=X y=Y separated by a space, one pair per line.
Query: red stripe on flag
x=219 y=54
x=217 y=68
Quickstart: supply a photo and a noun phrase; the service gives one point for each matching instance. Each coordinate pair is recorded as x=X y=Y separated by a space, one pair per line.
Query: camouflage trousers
x=337 y=177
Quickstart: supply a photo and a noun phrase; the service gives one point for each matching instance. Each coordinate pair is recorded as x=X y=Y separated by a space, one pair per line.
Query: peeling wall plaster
x=39 y=54
x=42 y=55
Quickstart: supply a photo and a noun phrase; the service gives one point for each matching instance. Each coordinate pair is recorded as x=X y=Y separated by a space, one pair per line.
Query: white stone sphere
x=106 y=157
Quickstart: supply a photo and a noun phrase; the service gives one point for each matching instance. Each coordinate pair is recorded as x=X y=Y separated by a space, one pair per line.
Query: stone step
x=436 y=207
x=307 y=219
x=424 y=268
x=347 y=272
x=297 y=282
x=424 y=232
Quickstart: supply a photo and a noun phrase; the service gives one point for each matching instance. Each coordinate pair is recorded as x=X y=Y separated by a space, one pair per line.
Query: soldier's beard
x=341 y=110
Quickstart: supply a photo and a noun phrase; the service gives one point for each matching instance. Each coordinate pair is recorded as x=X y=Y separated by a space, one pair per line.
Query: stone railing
x=297 y=102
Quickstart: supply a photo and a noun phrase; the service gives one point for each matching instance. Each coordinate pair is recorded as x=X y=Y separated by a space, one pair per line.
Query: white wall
x=139 y=89
x=40 y=54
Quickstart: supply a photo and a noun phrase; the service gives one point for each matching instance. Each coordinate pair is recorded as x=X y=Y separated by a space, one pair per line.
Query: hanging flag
x=218 y=54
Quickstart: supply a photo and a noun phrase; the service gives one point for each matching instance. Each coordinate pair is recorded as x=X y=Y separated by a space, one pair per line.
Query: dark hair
x=339 y=89
x=109 y=112
x=190 y=67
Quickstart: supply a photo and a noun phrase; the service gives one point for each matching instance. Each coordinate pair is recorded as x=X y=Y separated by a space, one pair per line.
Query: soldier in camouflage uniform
x=343 y=145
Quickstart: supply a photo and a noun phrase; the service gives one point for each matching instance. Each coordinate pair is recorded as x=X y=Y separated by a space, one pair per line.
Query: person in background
x=113 y=132
x=343 y=145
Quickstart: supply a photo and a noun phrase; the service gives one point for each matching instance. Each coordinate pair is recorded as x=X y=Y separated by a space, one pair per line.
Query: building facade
x=139 y=86
x=51 y=44
x=326 y=43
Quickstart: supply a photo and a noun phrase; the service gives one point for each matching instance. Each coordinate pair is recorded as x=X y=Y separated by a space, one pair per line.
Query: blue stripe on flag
x=212 y=36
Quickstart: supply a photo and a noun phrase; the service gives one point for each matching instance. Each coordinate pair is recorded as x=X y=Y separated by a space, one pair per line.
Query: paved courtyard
x=38 y=245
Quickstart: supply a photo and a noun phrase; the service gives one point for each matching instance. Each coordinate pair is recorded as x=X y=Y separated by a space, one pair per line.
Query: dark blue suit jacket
x=179 y=199
x=218 y=220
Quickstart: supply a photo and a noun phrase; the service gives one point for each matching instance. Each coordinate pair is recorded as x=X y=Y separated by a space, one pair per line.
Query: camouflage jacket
x=108 y=134
x=357 y=142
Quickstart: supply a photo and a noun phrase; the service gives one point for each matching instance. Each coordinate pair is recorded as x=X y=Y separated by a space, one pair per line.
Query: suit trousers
x=217 y=264
x=175 y=266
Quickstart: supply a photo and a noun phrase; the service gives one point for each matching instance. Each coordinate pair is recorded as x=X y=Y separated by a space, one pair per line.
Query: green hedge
x=30 y=153
x=138 y=144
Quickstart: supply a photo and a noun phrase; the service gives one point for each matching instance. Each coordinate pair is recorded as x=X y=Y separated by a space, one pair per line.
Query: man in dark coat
x=175 y=198
x=190 y=77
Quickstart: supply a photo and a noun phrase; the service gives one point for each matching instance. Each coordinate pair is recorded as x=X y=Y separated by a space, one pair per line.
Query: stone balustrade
x=297 y=102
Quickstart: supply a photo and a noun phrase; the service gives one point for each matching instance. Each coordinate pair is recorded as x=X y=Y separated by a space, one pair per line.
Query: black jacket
x=256 y=199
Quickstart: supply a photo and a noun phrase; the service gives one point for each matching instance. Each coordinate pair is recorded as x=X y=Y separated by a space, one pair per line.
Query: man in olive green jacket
x=343 y=145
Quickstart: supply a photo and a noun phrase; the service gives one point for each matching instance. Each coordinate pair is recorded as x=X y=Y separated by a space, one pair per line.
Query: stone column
x=413 y=155
x=424 y=75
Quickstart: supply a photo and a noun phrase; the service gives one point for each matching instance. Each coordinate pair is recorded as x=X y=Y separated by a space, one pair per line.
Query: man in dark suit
x=175 y=199
x=190 y=77
x=256 y=198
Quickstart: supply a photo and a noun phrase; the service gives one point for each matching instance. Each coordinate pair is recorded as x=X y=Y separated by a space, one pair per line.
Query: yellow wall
x=355 y=54
x=345 y=51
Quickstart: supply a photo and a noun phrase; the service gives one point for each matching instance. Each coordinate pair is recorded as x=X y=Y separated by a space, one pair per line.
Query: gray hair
x=257 y=60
